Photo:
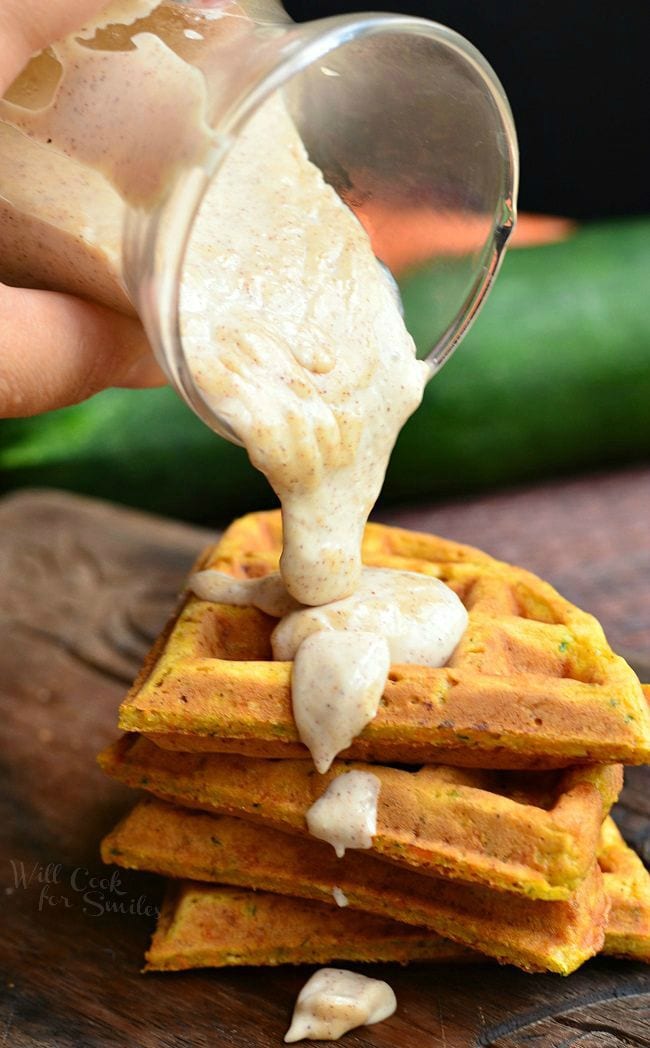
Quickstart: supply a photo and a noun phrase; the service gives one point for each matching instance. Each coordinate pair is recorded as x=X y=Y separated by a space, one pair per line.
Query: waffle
x=211 y=926
x=535 y=935
x=205 y=925
x=532 y=833
x=532 y=684
x=627 y=885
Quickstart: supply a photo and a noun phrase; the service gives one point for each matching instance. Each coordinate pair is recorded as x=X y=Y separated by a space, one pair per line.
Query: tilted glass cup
x=404 y=117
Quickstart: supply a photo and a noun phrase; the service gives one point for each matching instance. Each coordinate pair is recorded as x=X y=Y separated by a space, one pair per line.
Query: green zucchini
x=553 y=378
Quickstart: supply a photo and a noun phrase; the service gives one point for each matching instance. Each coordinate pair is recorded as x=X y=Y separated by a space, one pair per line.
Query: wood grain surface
x=84 y=588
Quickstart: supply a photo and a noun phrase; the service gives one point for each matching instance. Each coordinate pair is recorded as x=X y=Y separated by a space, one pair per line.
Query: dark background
x=578 y=78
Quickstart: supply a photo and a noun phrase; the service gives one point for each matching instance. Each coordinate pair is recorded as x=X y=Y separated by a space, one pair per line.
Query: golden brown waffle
x=627 y=885
x=535 y=935
x=211 y=925
x=534 y=833
x=533 y=682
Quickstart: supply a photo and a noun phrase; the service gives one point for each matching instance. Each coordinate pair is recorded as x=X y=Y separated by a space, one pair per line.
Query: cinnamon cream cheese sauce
x=269 y=594
x=337 y=682
x=346 y=814
x=295 y=338
x=342 y=651
x=334 y=1001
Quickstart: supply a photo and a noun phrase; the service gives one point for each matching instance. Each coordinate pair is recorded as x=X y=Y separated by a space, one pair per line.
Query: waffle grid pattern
x=533 y=682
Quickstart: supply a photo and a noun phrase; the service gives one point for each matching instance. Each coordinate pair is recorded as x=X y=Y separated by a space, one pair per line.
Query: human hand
x=56 y=349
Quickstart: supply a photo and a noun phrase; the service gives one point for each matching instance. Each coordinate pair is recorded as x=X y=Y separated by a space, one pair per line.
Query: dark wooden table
x=84 y=588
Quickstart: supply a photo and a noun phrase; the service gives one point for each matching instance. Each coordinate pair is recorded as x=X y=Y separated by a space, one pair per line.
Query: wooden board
x=84 y=588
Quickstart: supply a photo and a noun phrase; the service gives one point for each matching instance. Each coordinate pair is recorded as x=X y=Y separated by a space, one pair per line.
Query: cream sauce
x=99 y=122
x=334 y=1001
x=337 y=682
x=268 y=593
x=340 y=898
x=345 y=815
x=294 y=336
x=420 y=617
x=343 y=651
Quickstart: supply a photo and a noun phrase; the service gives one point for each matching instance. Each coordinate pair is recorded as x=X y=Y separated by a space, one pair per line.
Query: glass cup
x=110 y=140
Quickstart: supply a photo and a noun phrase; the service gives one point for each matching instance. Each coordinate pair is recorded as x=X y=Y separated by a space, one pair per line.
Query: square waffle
x=627 y=885
x=532 y=684
x=533 y=833
x=203 y=926
x=211 y=925
x=535 y=935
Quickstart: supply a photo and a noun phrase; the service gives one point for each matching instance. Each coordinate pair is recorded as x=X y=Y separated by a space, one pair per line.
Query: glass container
x=110 y=139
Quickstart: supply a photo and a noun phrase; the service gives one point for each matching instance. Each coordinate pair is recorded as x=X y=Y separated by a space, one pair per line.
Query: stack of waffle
x=497 y=772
